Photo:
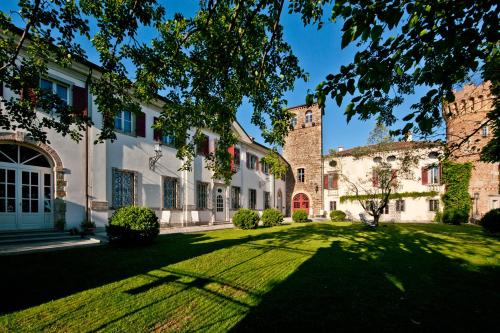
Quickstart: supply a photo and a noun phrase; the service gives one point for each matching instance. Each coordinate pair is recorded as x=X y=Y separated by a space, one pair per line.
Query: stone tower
x=303 y=150
x=464 y=116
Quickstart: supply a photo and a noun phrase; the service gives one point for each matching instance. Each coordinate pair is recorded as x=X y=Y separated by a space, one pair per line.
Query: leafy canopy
x=409 y=43
x=201 y=67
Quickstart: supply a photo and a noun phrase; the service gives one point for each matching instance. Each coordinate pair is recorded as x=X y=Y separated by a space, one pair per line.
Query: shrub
x=246 y=219
x=272 y=217
x=455 y=216
x=133 y=225
x=60 y=224
x=337 y=215
x=438 y=217
x=491 y=221
x=300 y=216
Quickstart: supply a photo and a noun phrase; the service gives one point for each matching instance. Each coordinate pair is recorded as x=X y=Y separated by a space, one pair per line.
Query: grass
x=314 y=277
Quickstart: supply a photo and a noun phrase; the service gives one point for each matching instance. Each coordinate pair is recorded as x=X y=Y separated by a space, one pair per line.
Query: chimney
x=408 y=137
x=341 y=148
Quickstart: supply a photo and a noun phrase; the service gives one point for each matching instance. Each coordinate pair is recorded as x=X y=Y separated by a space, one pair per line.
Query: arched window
x=377 y=159
x=294 y=122
x=391 y=158
x=309 y=117
x=433 y=155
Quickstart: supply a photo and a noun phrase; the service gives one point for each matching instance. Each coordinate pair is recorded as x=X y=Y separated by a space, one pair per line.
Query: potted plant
x=88 y=227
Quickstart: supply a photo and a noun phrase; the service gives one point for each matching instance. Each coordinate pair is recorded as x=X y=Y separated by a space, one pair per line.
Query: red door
x=300 y=201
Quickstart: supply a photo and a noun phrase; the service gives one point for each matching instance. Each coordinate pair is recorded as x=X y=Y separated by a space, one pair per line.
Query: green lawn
x=310 y=277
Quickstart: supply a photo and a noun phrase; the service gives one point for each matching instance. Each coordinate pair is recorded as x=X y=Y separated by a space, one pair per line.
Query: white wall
x=359 y=171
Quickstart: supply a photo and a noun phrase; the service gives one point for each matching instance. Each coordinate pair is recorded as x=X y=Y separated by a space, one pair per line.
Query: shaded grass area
x=317 y=276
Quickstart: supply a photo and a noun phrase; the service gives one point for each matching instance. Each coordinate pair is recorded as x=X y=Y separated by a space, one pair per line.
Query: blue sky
x=319 y=54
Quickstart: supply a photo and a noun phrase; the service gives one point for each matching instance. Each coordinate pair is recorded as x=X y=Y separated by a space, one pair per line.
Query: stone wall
x=466 y=137
x=303 y=149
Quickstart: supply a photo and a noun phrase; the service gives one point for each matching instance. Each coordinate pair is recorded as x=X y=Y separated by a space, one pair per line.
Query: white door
x=8 y=201
x=220 y=213
x=25 y=189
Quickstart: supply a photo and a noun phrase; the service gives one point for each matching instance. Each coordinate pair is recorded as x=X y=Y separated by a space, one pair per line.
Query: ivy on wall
x=456 y=176
x=431 y=194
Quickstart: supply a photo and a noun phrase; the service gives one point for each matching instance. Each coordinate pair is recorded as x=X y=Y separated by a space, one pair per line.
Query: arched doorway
x=26 y=188
x=300 y=201
x=279 y=201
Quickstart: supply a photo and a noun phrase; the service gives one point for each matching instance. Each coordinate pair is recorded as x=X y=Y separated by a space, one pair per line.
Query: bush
x=438 y=217
x=337 y=215
x=300 y=216
x=455 y=216
x=133 y=225
x=272 y=217
x=246 y=219
x=491 y=221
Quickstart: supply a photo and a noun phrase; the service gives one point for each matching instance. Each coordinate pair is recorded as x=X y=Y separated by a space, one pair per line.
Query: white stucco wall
x=359 y=170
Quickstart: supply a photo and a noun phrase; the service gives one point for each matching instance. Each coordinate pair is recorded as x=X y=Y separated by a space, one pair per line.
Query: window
x=123 y=191
x=433 y=174
x=294 y=122
x=333 y=163
x=332 y=181
x=59 y=89
x=301 y=175
x=202 y=195
x=309 y=117
x=386 y=209
x=400 y=205
x=333 y=205
x=391 y=158
x=124 y=122
x=484 y=131
x=265 y=168
x=267 y=200
x=235 y=197
x=251 y=161
x=170 y=193
x=203 y=147
x=252 y=199
x=377 y=159
x=433 y=205
x=167 y=140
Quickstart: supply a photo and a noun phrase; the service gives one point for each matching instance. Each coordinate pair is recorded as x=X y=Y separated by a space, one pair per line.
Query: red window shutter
x=335 y=181
x=140 y=124
x=375 y=179
x=80 y=101
x=440 y=174
x=231 y=152
x=237 y=159
x=425 y=177
x=29 y=93
x=206 y=145
x=156 y=132
x=325 y=182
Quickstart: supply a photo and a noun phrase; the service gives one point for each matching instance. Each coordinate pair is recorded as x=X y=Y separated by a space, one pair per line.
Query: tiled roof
x=392 y=146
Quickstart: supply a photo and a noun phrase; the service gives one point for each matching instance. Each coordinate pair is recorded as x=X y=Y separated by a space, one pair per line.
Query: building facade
x=466 y=134
x=303 y=150
x=419 y=188
x=41 y=184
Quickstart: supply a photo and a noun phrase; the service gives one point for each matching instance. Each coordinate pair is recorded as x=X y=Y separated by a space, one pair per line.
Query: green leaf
x=423 y=32
x=376 y=32
x=338 y=99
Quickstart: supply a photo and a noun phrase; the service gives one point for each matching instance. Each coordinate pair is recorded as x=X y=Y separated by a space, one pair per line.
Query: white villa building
x=72 y=181
x=420 y=189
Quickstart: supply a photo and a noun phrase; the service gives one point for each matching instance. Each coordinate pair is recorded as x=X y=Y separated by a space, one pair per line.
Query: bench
x=367 y=222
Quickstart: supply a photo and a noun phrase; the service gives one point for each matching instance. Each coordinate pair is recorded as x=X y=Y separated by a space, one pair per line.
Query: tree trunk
x=376 y=217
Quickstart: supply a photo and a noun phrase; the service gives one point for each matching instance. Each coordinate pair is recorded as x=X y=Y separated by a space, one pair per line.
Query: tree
x=405 y=44
x=200 y=67
x=373 y=191
x=379 y=135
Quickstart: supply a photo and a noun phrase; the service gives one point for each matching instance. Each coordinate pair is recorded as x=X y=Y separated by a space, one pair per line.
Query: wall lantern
x=156 y=157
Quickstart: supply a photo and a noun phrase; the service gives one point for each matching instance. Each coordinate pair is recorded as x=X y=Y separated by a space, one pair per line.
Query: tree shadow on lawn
x=386 y=280
x=32 y=279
